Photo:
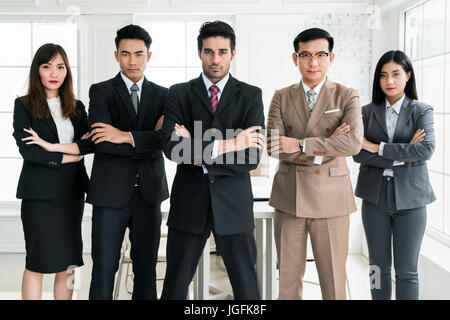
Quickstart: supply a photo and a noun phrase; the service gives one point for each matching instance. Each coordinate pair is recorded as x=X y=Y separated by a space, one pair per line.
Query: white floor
x=12 y=266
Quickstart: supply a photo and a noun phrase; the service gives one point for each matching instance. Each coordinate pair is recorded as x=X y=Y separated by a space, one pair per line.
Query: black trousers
x=183 y=254
x=108 y=229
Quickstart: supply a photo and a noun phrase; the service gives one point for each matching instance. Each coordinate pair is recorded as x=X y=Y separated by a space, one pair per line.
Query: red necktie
x=214 y=102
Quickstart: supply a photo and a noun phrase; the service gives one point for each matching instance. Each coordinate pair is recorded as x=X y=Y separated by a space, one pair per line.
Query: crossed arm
x=111 y=140
x=419 y=148
x=344 y=141
x=245 y=141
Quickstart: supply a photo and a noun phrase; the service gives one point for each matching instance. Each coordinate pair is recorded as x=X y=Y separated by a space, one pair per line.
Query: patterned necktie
x=214 y=102
x=134 y=96
x=311 y=102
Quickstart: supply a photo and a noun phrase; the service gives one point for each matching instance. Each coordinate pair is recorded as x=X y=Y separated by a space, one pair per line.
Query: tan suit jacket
x=300 y=187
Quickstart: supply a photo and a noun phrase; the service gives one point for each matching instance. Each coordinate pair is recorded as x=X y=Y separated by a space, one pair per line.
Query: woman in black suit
x=51 y=131
x=393 y=177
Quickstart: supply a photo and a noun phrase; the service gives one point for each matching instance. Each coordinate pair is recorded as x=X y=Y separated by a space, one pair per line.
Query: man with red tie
x=212 y=190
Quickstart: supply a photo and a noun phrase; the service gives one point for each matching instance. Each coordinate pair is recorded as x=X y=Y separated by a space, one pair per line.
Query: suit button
x=299 y=170
x=290 y=127
x=212 y=180
x=317 y=172
x=328 y=129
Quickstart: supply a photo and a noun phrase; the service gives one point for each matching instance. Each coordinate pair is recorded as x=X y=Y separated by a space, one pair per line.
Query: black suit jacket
x=38 y=178
x=226 y=187
x=116 y=165
x=411 y=181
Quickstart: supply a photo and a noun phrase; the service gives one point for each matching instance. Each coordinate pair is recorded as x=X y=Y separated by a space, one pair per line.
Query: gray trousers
x=403 y=230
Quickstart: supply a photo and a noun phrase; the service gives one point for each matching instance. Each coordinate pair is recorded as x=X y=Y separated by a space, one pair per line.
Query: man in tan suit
x=312 y=126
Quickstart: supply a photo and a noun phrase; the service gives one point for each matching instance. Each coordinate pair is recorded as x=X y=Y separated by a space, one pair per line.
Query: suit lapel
x=144 y=103
x=380 y=115
x=297 y=96
x=230 y=89
x=199 y=89
x=322 y=102
x=124 y=95
x=52 y=125
x=403 y=117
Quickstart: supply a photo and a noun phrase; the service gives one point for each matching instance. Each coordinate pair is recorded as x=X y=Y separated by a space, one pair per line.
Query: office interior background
x=363 y=31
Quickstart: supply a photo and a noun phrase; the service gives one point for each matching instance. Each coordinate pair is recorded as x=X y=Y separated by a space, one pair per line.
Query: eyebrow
x=391 y=71
x=59 y=64
x=125 y=51
x=321 y=51
x=222 y=49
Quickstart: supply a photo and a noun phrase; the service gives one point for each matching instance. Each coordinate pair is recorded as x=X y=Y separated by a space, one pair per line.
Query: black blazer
x=226 y=187
x=412 y=185
x=38 y=178
x=116 y=165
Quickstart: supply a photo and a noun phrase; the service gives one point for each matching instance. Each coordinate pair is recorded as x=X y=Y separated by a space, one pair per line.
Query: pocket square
x=333 y=110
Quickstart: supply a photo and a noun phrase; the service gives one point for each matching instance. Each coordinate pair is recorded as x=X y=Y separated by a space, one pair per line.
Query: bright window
x=427 y=43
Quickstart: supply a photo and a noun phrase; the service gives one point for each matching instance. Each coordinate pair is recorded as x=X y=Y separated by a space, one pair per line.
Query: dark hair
x=133 y=31
x=313 y=34
x=36 y=98
x=214 y=29
x=402 y=59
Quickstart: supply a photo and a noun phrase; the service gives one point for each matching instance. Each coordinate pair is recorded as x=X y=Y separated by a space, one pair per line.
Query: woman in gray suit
x=393 y=177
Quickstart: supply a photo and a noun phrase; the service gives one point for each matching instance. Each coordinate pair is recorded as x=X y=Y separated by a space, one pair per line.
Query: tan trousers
x=329 y=241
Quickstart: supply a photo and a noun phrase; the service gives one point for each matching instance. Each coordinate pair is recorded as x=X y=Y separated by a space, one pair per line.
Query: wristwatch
x=301 y=144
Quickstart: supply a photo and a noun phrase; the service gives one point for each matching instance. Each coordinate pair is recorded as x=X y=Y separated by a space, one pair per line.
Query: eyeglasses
x=306 y=56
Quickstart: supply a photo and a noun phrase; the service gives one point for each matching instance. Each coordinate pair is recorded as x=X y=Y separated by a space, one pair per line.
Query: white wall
x=265 y=31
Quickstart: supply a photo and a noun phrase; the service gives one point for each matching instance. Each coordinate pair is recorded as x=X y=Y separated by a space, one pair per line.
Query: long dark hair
x=36 y=98
x=402 y=59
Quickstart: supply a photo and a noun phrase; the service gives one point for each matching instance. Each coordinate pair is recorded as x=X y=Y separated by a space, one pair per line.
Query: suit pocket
x=339 y=171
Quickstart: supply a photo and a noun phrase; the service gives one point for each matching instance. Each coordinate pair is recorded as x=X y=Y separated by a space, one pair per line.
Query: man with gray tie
x=128 y=181
x=319 y=124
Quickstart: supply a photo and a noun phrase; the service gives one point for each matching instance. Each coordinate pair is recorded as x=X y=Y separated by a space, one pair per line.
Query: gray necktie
x=134 y=96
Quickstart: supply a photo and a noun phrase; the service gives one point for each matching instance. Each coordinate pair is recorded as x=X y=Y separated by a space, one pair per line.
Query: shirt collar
x=316 y=89
x=221 y=84
x=129 y=83
x=396 y=106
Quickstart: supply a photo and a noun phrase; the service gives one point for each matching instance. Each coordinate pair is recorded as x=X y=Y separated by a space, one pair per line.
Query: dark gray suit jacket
x=412 y=185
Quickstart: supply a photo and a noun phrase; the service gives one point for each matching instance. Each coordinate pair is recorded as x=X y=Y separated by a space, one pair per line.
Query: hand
x=35 y=139
x=159 y=124
x=370 y=146
x=418 y=136
x=181 y=131
x=283 y=144
x=69 y=158
x=86 y=135
x=342 y=129
x=248 y=138
x=105 y=132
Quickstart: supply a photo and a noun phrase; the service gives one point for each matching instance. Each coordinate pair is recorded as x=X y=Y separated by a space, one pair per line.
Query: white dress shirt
x=392 y=113
x=317 y=89
x=64 y=126
x=221 y=85
x=129 y=83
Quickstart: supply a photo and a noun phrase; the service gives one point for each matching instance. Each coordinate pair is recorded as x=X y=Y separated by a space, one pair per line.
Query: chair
x=126 y=260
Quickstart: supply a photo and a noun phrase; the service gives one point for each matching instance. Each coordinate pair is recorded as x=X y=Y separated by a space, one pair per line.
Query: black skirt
x=52 y=228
